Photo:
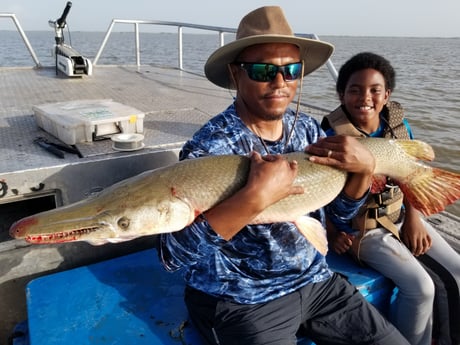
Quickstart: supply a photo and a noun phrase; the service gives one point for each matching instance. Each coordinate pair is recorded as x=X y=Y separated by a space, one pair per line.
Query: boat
x=43 y=287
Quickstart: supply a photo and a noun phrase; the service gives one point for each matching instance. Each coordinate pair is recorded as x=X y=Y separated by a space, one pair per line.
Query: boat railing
x=21 y=32
x=221 y=31
x=180 y=26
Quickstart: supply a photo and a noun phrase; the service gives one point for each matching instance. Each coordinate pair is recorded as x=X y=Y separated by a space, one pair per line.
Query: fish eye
x=123 y=223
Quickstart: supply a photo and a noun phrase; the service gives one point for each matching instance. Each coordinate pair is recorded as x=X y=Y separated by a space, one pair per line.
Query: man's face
x=266 y=100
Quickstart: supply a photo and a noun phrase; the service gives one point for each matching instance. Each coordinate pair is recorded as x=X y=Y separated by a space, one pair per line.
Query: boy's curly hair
x=362 y=61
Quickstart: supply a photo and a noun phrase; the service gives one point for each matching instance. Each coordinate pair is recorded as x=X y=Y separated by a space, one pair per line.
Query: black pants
x=446 y=307
x=330 y=312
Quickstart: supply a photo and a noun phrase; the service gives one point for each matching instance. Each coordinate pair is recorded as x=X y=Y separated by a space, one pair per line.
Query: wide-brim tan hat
x=264 y=25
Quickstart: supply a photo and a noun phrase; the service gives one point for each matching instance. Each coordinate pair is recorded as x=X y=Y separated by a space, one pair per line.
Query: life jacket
x=392 y=112
x=384 y=205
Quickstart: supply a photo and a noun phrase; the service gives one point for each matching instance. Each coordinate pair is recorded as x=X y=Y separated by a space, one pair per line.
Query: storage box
x=132 y=299
x=86 y=120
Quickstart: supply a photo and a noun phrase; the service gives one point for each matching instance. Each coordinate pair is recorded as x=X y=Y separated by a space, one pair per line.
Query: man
x=262 y=284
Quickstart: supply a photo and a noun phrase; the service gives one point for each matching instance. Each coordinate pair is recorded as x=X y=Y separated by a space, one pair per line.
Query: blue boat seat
x=133 y=300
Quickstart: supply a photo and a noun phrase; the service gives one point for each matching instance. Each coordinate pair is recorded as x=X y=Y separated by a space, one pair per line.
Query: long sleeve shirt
x=261 y=262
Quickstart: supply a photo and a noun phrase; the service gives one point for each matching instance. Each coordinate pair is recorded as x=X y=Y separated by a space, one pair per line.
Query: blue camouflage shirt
x=262 y=262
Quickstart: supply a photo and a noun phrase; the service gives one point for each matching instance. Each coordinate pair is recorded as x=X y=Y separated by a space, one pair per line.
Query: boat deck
x=175 y=103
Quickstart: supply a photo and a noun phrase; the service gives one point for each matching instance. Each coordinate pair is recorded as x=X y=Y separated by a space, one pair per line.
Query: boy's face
x=364 y=97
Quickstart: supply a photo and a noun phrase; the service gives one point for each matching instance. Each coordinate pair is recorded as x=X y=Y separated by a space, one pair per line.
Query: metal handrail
x=330 y=66
x=23 y=36
x=221 y=30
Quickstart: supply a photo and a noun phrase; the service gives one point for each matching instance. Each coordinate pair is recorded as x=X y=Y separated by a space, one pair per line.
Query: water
x=427 y=69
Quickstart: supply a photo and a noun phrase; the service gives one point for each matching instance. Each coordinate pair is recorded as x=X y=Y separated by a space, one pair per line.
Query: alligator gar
x=169 y=198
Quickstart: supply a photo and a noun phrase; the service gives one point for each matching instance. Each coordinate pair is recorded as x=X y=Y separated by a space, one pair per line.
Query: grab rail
x=23 y=36
x=220 y=30
x=180 y=26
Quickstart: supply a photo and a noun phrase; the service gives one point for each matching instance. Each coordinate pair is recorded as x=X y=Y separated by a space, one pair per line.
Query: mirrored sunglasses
x=265 y=72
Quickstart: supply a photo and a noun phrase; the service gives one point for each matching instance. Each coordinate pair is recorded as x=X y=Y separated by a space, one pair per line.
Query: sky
x=410 y=18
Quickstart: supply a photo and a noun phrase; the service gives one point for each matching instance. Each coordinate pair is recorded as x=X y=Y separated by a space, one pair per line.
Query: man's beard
x=273 y=116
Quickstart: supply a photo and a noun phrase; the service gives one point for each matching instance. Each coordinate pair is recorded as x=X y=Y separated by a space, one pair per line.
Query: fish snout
x=19 y=228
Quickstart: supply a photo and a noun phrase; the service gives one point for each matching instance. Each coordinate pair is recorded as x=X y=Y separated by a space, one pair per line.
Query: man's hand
x=271 y=178
x=346 y=153
x=343 y=152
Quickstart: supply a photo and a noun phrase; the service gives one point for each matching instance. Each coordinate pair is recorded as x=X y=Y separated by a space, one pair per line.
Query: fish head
x=41 y=228
x=116 y=215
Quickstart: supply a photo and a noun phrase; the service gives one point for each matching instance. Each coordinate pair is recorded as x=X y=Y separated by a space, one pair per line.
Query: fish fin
x=379 y=183
x=313 y=231
x=431 y=193
x=416 y=148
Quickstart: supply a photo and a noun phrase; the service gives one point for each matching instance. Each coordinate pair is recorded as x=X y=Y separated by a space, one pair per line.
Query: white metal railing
x=23 y=36
x=220 y=30
x=330 y=66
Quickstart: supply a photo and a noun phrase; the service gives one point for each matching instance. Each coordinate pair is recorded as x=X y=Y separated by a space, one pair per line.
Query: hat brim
x=313 y=53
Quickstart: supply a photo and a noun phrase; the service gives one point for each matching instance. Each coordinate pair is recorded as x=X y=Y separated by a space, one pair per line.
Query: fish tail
x=430 y=193
x=416 y=148
x=313 y=231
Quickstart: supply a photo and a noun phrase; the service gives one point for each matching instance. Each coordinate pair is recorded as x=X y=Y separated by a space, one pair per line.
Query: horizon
x=213 y=33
